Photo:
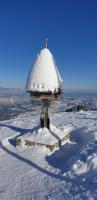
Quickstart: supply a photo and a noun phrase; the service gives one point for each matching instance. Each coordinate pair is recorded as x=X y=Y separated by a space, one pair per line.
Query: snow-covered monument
x=44 y=81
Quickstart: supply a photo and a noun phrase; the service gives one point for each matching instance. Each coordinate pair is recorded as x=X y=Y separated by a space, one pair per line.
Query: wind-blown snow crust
x=35 y=173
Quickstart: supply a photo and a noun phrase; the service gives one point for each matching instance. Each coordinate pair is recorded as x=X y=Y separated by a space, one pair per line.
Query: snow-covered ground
x=35 y=173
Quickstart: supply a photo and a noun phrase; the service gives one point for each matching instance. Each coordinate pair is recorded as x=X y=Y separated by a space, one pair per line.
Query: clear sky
x=71 y=27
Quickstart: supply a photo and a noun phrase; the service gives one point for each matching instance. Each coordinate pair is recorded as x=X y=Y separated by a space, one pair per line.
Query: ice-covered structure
x=44 y=82
x=44 y=78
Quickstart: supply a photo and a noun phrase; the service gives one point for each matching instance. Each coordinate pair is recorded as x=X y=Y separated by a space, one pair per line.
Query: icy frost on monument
x=44 y=75
x=44 y=82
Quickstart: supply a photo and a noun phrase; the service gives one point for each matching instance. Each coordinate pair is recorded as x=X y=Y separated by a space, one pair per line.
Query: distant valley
x=14 y=101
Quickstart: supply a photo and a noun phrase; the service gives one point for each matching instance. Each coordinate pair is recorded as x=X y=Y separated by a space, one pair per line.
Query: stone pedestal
x=50 y=138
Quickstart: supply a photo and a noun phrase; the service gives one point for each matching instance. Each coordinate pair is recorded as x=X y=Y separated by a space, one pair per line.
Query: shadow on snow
x=59 y=159
x=21 y=131
x=69 y=151
x=78 y=187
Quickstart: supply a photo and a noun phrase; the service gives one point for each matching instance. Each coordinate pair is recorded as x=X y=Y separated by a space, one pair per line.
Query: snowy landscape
x=68 y=172
x=48 y=100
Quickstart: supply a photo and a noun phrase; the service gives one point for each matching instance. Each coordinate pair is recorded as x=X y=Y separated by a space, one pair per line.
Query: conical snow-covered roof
x=44 y=75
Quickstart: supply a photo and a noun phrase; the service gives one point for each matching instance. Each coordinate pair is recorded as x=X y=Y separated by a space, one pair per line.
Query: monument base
x=49 y=138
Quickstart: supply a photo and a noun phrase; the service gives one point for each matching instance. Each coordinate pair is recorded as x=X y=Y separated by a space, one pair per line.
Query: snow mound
x=44 y=75
x=80 y=167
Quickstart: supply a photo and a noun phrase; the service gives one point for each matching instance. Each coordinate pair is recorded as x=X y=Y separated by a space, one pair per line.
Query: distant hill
x=11 y=92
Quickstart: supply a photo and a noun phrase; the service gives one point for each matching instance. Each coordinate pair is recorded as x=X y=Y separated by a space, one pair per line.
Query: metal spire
x=46 y=43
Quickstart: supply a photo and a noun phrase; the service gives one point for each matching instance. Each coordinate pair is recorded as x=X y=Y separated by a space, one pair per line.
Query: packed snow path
x=34 y=173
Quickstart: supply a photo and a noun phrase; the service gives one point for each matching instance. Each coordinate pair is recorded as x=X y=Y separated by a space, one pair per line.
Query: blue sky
x=71 y=27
